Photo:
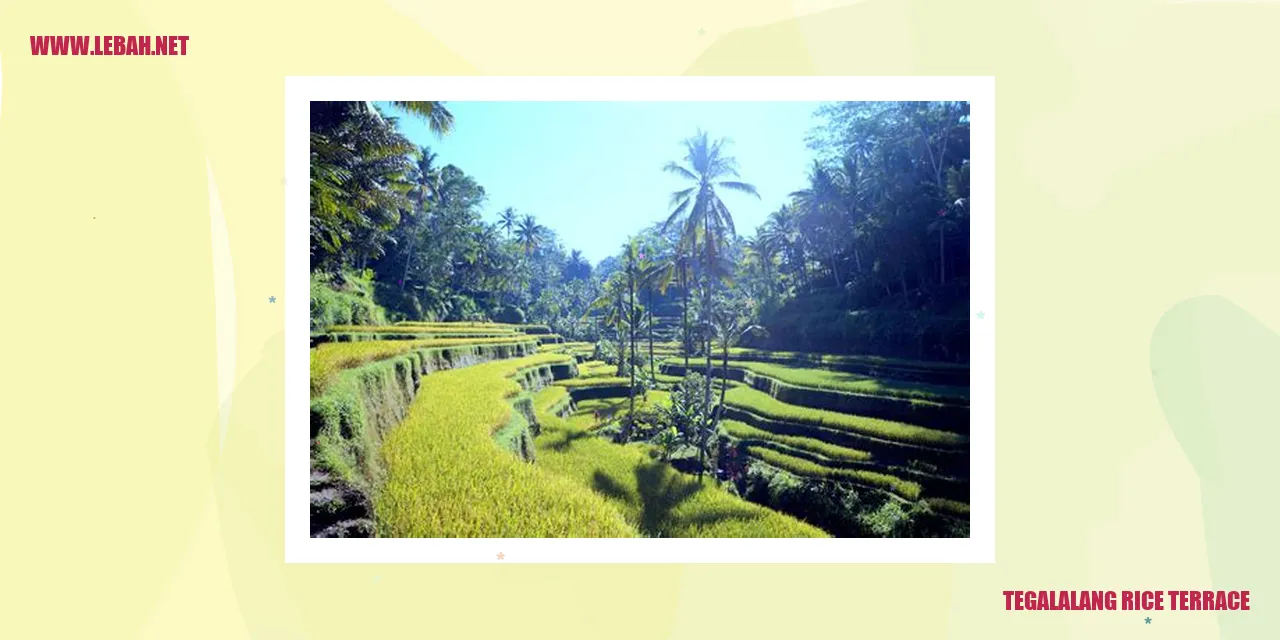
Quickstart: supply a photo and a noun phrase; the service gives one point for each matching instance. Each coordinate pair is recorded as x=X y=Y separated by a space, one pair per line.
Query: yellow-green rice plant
x=764 y=405
x=446 y=477
x=327 y=359
x=752 y=435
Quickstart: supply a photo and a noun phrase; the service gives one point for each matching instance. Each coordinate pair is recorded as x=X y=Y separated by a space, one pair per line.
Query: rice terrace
x=545 y=320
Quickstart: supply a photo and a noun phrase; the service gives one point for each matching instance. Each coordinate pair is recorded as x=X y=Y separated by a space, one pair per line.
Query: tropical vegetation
x=474 y=377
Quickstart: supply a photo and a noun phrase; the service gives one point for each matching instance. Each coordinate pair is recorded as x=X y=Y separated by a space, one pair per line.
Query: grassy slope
x=447 y=478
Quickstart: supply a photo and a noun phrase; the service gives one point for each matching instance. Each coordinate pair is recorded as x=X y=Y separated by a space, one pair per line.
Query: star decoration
x=981 y=315
x=272 y=299
x=1148 y=620
x=500 y=556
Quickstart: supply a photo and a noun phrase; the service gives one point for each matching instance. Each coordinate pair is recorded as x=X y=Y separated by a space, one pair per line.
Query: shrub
x=830 y=505
x=343 y=299
x=509 y=314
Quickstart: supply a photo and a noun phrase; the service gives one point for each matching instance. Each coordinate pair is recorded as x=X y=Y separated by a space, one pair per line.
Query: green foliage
x=509 y=314
x=360 y=179
x=861 y=276
x=344 y=299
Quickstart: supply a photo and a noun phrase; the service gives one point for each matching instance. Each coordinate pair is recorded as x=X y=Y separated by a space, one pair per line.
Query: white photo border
x=979 y=91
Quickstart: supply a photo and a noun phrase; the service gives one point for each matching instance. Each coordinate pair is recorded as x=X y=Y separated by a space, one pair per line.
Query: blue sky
x=592 y=171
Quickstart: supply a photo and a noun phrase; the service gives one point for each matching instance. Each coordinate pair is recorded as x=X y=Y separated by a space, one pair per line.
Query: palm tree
x=429 y=179
x=427 y=188
x=508 y=220
x=530 y=234
x=577 y=266
x=326 y=114
x=821 y=202
x=730 y=327
x=851 y=187
x=700 y=212
x=761 y=250
x=941 y=225
x=438 y=118
x=656 y=273
x=630 y=266
x=610 y=302
x=783 y=230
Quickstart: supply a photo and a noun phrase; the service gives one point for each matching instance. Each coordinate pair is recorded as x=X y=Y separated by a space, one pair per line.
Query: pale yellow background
x=1136 y=168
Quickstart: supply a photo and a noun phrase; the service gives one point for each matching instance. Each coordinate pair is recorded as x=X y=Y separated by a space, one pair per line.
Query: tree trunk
x=619 y=337
x=724 y=346
x=707 y=312
x=835 y=271
x=652 y=376
x=684 y=311
x=942 y=258
x=631 y=323
x=857 y=259
x=405 y=275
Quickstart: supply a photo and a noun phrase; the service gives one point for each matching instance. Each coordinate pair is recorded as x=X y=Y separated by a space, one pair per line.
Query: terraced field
x=489 y=430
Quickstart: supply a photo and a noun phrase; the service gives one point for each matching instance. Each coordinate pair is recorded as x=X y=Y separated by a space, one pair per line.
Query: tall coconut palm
x=577 y=267
x=438 y=118
x=429 y=183
x=613 y=315
x=508 y=220
x=530 y=234
x=783 y=230
x=656 y=274
x=701 y=213
x=761 y=250
x=821 y=203
x=730 y=326
x=631 y=267
x=435 y=114
x=941 y=225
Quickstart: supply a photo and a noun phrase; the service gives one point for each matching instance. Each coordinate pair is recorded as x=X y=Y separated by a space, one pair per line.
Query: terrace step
x=932 y=486
x=934 y=415
x=341 y=509
x=954 y=462
x=906 y=371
